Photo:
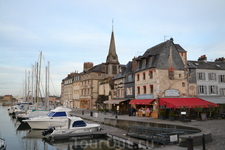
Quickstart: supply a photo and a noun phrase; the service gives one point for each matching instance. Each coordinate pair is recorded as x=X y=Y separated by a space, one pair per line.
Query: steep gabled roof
x=163 y=56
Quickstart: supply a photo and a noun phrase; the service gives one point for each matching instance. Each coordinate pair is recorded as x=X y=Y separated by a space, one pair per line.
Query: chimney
x=203 y=58
x=134 y=63
x=222 y=59
x=88 y=65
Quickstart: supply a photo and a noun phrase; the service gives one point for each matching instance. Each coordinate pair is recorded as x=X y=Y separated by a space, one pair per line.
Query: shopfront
x=184 y=107
x=84 y=103
x=121 y=105
x=145 y=107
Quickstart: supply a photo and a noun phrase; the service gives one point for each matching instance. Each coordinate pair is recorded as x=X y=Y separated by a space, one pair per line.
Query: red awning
x=187 y=102
x=141 y=101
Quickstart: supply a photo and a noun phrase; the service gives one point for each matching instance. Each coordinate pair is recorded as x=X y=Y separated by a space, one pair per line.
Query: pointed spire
x=112 y=24
x=112 y=56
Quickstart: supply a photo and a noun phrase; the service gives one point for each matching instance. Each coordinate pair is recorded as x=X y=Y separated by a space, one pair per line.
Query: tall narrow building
x=112 y=62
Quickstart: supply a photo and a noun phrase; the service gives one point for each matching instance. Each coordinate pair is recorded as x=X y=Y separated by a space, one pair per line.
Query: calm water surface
x=20 y=137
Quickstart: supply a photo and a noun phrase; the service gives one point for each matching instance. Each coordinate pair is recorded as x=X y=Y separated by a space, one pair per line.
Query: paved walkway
x=99 y=117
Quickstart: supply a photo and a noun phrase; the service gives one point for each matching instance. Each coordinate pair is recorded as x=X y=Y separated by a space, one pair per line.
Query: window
x=183 y=84
x=129 y=78
x=138 y=78
x=144 y=89
x=222 y=92
x=151 y=89
x=201 y=76
x=222 y=78
x=114 y=71
x=129 y=91
x=80 y=123
x=143 y=76
x=59 y=114
x=171 y=73
x=150 y=74
x=138 y=90
x=212 y=89
x=201 y=89
x=212 y=76
x=180 y=76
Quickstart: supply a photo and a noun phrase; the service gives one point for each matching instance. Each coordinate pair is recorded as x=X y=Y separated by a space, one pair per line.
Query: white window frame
x=213 y=89
x=212 y=76
x=202 y=89
x=201 y=76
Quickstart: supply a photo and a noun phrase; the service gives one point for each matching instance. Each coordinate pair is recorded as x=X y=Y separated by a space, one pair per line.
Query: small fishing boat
x=76 y=127
x=2 y=144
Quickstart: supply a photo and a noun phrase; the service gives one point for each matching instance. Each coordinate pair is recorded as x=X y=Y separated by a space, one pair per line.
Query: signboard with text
x=172 y=93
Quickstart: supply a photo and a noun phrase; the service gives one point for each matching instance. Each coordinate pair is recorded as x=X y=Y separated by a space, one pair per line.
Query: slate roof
x=96 y=68
x=162 y=57
x=128 y=69
x=206 y=65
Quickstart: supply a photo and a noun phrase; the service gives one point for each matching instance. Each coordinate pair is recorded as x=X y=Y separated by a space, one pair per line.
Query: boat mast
x=32 y=84
x=39 y=78
x=47 y=87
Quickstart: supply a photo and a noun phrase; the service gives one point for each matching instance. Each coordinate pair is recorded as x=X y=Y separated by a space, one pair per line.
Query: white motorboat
x=57 y=117
x=31 y=114
x=2 y=144
x=76 y=127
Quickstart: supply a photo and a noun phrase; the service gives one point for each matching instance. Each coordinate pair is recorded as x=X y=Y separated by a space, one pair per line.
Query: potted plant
x=163 y=114
x=211 y=110
x=171 y=115
x=198 y=109
x=220 y=109
x=214 y=114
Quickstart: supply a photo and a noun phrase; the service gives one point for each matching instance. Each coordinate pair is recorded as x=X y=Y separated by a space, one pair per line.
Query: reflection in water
x=19 y=136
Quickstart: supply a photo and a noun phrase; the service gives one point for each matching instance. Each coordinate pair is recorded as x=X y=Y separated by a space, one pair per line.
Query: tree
x=198 y=109
x=211 y=109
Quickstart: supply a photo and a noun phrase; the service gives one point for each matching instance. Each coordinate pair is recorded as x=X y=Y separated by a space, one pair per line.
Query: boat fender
x=49 y=131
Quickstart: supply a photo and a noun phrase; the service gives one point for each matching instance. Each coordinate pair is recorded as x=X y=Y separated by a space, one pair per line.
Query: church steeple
x=112 y=56
x=112 y=62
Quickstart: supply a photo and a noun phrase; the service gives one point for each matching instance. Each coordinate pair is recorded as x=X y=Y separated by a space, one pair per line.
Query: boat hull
x=46 y=124
x=79 y=131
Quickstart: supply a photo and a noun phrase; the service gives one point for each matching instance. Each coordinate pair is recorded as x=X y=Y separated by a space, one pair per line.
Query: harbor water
x=20 y=137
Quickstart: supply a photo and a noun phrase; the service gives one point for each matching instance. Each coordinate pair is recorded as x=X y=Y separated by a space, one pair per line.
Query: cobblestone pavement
x=217 y=128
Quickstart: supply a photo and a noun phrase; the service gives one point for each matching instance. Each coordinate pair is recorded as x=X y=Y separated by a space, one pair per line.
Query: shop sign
x=172 y=92
x=173 y=138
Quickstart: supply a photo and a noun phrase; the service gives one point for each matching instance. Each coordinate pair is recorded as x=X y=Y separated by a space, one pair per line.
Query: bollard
x=82 y=112
x=203 y=142
x=189 y=143
x=116 y=114
x=91 y=113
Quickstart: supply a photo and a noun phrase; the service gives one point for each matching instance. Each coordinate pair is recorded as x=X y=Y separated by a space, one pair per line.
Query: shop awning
x=217 y=100
x=115 y=101
x=141 y=101
x=178 y=103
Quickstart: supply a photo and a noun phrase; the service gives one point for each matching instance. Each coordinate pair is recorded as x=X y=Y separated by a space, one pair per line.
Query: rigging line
x=53 y=85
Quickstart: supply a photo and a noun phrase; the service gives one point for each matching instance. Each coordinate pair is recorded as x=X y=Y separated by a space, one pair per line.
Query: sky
x=71 y=32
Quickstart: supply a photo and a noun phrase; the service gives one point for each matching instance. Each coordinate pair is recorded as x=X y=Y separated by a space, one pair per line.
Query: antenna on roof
x=112 y=23
x=166 y=36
